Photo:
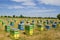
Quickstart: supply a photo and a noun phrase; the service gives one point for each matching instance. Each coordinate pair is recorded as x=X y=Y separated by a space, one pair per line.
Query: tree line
x=21 y=16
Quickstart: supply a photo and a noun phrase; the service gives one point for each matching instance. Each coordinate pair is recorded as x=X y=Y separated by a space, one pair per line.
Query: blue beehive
x=32 y=21
x=21 y=26
x=22 y=22
x=54 y=25
x=47 y=27
x=12 y=23
x=55 y=22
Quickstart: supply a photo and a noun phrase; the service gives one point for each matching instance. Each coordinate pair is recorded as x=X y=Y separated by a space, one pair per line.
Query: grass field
x=52 y=34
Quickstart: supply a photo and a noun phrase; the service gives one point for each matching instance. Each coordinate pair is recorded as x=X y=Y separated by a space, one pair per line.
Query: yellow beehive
x=40 y=27
x=29 y=29
x=14 y=34
x=58 y=25
x=31 y=32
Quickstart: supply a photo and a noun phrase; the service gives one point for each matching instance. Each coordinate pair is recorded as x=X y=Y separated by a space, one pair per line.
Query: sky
x=31 y=8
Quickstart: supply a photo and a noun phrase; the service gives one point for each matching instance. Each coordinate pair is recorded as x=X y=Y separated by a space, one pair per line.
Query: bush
x=58 y=16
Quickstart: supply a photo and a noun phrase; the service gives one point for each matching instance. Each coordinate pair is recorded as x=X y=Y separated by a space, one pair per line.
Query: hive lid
x=14 y=29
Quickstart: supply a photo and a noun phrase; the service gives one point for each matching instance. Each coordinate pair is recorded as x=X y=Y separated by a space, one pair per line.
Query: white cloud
x=19 y=0
x=29 y=3
x=51 y=2
x=15 y=7
x=41 y=10
x=26 y=2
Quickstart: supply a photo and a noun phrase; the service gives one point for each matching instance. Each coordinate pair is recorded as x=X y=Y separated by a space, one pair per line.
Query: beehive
x=3 y=23
x=44 y=23
x=7 y=28
x=29 y=29
x=32 y=22
x=0 y=22
x=58 y=25
x=22 y=22
x=51 y=21
x=47 y=27
x=54 y=25
x=47 y=21
x=28 y=22
x=14 y=33
x=21 y=26
x=40 y=27
x=12 y=23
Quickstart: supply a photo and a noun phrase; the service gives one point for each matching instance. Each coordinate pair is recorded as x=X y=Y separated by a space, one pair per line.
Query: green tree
x=1 y=16
x=13 y=16
x=58 y=16
x=5 y=16
x=9 y=16
x=21 y=16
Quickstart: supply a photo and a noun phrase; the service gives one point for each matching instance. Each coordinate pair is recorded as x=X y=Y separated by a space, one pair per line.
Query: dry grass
x=52 y=34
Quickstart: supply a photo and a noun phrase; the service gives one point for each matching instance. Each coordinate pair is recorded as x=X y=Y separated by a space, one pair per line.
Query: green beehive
x=51 y=21
x=29 y=29
x=7 y=28
x=32 y=24
x=14 y=33
x=40 y=27
x=44 y=23
x=3 y=23
x=0 y=20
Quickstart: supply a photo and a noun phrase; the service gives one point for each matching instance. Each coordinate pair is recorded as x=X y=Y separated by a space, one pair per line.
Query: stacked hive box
x=51 y=21
x=47 y=21
x=21 y=26
x=44 y=23
x=3 y=23
x=29 y=29
x=0 y=20
x=47 y=27
x=7 y=28
x=32 y=22
x=12 y=23
x=0 y=23
x=14 y=33
x=54 y=25
x=40 y=27
x=58 y=25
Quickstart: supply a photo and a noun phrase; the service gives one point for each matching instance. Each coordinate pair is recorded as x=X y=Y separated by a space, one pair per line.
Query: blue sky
x=42 y=8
